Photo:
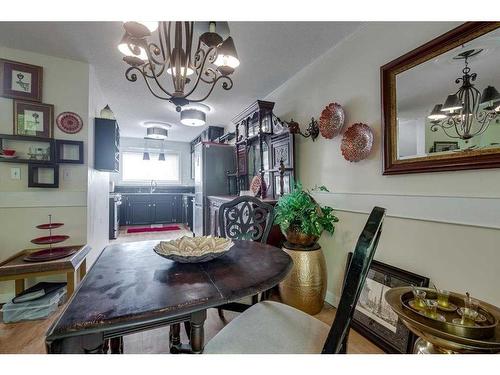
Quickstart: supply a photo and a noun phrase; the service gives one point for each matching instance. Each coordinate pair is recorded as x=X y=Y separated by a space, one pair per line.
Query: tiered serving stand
x=445 y=336
x=51 y=252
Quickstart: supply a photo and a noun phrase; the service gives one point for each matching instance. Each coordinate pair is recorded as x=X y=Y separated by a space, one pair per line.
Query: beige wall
x=66 y=86
x=457 y=257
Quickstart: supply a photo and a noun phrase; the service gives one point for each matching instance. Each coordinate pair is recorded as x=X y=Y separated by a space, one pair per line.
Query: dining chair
x=275 y=328
x=245 y=218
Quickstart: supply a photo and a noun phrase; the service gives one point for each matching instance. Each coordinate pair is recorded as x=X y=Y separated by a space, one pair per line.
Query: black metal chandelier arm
x=445 y=132
x=211 y=73
x=225 y=85
x=199 y=73
x=152 y=50
x=151 y=68
x=132 y=77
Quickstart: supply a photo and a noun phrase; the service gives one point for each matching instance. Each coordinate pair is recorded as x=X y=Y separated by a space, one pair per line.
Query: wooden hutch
x=265 y=147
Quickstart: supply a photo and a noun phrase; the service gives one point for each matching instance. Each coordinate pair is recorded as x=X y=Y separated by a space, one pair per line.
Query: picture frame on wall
x=33 y=119
x=373 y=317
x=20 y=81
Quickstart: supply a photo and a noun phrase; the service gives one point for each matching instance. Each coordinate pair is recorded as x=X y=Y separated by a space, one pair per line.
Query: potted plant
x=301 y=219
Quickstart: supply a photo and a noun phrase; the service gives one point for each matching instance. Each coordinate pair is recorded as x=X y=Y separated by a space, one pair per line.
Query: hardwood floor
x=28 y=337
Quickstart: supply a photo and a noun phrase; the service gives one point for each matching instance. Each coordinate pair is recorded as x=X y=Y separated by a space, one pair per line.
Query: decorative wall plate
x=256 y=185
x=69 y=122
x=357 y=142
x=332 y=120
x=194 y=249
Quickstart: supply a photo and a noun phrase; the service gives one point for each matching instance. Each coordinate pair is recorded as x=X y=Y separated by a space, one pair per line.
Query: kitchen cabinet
x=107 y=145
x=144 y=209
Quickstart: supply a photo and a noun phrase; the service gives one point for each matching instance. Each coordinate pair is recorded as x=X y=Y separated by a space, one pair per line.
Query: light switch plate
x=15 y=173
x=66 y=174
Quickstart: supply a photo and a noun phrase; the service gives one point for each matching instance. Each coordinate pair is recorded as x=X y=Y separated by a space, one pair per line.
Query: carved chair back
x=361 y=260
x=246 y=218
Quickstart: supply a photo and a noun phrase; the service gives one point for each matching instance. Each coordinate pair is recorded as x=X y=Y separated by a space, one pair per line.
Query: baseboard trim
x=332 y=299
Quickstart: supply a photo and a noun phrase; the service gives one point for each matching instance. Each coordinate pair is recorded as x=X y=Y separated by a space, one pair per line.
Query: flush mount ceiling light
x=467 y=113
x=166 y=64
x=193 y=117
x=156 y=133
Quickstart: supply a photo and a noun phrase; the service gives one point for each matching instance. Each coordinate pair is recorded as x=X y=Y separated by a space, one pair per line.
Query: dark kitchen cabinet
x=139 y=210
x=154 y=209
x=163 y=209
x=107 y=145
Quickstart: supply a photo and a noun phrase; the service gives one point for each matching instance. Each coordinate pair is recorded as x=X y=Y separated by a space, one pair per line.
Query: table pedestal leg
x=197 y=339
x=19 y=286
x=196 y=335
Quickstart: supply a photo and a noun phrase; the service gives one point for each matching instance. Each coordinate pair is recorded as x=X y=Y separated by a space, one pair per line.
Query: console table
x=74 y=266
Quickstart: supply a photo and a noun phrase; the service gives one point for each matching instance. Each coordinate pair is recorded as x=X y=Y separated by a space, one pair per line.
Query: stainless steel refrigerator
x=212 y=162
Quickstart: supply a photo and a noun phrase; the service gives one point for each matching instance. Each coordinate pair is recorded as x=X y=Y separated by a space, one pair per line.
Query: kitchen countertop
x=231 y=197
x=155 y=193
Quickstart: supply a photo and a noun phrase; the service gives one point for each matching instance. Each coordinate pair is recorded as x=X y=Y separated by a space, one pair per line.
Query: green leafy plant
x=299 y=209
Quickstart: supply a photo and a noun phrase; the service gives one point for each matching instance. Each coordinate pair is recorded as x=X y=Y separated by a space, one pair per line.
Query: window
x=136 y=169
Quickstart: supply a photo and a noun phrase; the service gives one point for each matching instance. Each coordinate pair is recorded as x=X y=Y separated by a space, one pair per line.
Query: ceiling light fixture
x=193 y=117
x=156 y=133
x=466 y=113
x=172 y=59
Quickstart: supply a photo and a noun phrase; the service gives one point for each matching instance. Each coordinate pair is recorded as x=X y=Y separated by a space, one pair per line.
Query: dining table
x=130 y=288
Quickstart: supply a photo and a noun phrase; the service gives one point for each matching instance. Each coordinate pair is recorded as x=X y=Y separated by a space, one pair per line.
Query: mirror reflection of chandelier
x=466 y=113
x=169 y=68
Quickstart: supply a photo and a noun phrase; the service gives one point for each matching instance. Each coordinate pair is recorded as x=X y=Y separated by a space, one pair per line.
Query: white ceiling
x=269 y=52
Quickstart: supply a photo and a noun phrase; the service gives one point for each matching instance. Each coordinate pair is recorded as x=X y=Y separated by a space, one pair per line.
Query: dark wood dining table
x=130 y=288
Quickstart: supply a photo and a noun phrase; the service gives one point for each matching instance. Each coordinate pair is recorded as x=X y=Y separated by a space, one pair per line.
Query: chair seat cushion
x=270 y=328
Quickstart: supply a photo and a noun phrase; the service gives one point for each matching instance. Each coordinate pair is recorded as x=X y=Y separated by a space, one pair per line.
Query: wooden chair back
x=361 y=260
x=246 y=218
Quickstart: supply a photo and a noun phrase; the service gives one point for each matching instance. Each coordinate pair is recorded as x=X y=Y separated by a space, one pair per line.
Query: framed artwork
x=444 y=146
x=373 y=317
x=33 y=119
x=20 y=81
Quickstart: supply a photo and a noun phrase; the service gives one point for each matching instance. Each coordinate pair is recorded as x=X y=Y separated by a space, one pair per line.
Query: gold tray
x=481 y=330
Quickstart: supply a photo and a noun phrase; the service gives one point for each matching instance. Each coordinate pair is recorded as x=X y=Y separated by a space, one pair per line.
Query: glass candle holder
x=443 y=298
x=419 y=298
x=431 y=308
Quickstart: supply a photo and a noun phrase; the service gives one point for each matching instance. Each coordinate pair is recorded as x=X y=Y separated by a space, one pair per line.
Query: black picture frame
x=33 y=176
x=60 y=144
x=392 y=338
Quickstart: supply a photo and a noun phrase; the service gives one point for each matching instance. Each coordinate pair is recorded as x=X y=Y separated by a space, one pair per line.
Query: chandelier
x=466 y=113
x=170 y=67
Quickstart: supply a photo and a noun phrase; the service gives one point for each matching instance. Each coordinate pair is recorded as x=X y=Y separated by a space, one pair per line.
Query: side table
x=305 y=286
x=74 y=266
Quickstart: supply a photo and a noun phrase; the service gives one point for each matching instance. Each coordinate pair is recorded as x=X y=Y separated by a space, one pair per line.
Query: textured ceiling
x=269 y=52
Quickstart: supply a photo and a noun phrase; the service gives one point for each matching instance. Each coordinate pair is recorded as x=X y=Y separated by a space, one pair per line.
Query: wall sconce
x=312 y=130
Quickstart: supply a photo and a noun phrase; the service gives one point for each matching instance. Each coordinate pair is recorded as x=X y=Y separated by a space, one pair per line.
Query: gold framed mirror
x=441 y=103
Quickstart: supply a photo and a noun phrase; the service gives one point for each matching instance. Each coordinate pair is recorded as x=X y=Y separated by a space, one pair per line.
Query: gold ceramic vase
x=305 y=286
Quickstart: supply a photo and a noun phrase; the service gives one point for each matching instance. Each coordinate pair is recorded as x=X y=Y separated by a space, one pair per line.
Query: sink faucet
x=153 y=186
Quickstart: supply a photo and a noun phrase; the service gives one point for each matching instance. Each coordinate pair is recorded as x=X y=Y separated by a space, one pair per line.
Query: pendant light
x=145 y=155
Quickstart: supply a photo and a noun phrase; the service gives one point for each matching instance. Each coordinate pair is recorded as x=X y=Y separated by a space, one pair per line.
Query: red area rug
x=164 y=228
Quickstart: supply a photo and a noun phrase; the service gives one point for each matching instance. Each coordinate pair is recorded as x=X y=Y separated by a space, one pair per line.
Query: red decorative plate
x=49 y=239
x=357 y=142
x=49 y=226
x=45 y=255
x=332 y=120
x=255 y=186
x=69 y=122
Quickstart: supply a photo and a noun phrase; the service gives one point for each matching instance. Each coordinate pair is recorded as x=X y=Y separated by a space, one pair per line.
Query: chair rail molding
x=43 y=199
x=459 y=210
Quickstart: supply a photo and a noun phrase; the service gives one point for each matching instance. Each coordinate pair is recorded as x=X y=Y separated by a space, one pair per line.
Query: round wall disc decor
x=331 y=120
x=357 y=142
x=69 y=122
